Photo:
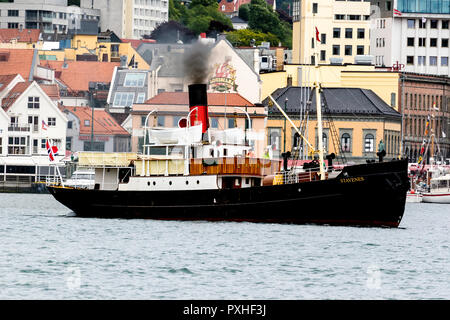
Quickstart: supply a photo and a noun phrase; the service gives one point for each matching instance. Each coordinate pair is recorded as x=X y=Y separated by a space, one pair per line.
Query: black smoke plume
x=196 y=63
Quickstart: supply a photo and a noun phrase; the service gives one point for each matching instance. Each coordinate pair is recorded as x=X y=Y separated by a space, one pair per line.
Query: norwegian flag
x=397 y=13
x=44 y=125
x=51 y=150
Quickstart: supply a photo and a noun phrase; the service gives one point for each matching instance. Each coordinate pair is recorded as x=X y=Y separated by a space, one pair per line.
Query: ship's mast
x=319 y=114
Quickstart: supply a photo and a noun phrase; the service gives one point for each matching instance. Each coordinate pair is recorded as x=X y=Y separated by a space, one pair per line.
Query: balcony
x=115 y=56
x=13 y=127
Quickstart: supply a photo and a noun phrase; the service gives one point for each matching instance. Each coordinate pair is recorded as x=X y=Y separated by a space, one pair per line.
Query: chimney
x=198 y=98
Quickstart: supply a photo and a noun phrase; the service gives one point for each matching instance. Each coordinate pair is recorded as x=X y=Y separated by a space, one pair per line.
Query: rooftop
x=15 y=93
x=24 y=35
x=13 y=61
x=104 y=123
x=77 y=74
x=214 y=99
x=5 y=80
x=51 y=90
x=345 y=101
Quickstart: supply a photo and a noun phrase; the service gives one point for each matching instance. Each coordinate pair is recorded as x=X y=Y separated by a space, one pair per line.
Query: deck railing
x=234 y=165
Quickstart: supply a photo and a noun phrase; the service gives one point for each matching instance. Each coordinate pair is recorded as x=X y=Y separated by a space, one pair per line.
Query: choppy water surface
x=46 y=254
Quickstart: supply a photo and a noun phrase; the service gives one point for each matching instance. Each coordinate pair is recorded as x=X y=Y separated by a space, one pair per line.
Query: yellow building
x=343 y=30
x=360 y=120
x=384 y=83
x=87 y=47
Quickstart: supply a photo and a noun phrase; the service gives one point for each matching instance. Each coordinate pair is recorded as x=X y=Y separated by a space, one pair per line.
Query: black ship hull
x=363 y=195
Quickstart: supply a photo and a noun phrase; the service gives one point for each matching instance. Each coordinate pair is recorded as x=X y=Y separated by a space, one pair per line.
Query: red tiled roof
x=136 y=43
x=26 y=35
x=51 y=90
x=214 y=99
x=15 y=93
x=232 y=6
x=5 y=80
x=104 y=123
x=16 y=61
x=78 y=74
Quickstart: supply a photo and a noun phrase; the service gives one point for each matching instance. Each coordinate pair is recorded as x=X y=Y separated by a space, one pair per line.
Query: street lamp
x=145 y=129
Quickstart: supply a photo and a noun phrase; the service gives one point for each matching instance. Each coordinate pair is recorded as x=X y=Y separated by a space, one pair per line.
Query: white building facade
x=24 y=158
x=411 y=36
x=48 y=15
x=130 y=19
x=26 y=133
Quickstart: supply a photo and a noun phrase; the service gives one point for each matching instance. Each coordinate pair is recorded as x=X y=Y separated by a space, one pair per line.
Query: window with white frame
x=123 y=98
x=33 y=102
x=51 y=122
x=17 y=145
x=134 y=80
x=369 y=143
x=346 y=142
x=140 y=97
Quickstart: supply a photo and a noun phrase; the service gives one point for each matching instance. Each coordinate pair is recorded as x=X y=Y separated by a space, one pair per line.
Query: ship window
x=225 y=152
x=198 y=181
x=154 y=183
x=187 y=182
x=148 y=183
x=170 y=182
x=247 y=181
x=158 y=151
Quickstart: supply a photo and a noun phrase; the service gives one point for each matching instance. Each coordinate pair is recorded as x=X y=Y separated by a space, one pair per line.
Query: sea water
x=47 y=253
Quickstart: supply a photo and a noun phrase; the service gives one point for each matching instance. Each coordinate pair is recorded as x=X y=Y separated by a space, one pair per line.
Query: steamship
x=197 y=173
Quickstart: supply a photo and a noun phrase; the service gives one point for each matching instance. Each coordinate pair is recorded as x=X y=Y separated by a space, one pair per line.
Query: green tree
x=244 y=37
x=244 y=11
x=263 y=19
x=174 y=12
x=199 y=17
x=204 y=3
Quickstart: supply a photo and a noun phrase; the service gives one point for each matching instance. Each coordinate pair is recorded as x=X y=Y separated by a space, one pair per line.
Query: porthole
x=187 y=182
x=198 y=181
x=148 y=183
x=170 y=182
x=154 y=183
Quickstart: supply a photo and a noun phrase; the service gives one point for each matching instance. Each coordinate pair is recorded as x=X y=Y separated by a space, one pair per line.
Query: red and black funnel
x=198 y=98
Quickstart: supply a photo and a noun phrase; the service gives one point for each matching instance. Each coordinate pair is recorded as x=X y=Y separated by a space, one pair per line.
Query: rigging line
x=334 y=134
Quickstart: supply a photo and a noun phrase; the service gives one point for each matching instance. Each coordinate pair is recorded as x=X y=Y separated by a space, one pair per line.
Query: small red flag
x=317 y=35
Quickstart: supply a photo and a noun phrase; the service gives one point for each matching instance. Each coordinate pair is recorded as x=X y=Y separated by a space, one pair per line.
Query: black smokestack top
x=198 y=95
x=196 y=63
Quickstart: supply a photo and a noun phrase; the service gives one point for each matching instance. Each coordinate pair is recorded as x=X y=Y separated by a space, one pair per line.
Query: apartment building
x=330 y=30
x=411 y=36
x=131 y=19
x=49 y=16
